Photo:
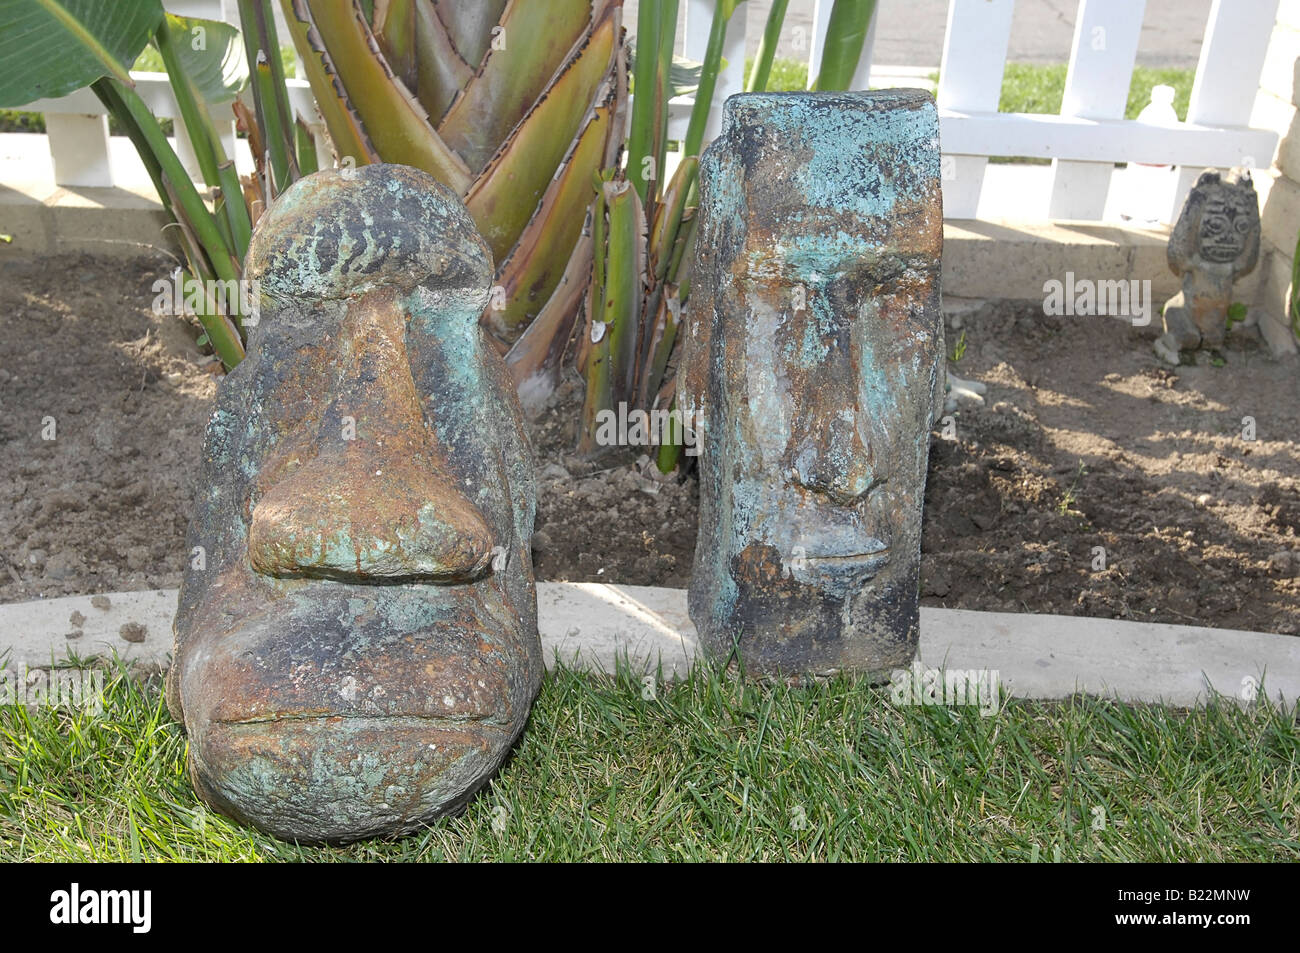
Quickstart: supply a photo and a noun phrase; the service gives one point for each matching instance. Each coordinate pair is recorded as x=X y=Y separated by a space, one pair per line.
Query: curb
x=593 y=626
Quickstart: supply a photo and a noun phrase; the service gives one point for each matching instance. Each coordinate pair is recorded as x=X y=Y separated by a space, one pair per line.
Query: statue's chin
x=330 y=778
x=333 y=717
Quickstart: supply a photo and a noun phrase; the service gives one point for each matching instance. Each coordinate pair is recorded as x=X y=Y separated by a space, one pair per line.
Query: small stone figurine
x=811 y=364
x=356 y=642
x=1215 y=242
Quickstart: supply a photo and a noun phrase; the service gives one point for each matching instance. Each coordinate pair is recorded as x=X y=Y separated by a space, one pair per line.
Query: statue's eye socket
x=1214 y=224
x=1243 y=225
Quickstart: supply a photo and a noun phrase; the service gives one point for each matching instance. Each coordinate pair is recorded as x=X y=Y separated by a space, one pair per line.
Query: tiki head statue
x=1219 y=225
x=357 y=648
x=811 y=358
x=1214 y=242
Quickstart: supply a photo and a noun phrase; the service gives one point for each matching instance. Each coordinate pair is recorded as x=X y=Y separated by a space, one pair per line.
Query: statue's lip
x=849 y=558
x=840 y=568
x=394 y=720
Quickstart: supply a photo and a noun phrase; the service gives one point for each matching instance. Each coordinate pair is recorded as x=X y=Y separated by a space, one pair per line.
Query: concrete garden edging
x=590 y=625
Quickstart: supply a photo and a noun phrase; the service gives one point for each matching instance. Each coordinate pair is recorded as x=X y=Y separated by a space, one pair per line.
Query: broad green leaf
x=211 y=55
x=535 y=40
x=49 y=48
x=505 y=196
x=533 y=269
x=471 y=24
x=392 y=119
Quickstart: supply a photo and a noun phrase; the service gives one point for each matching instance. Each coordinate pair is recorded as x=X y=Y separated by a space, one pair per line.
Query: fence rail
x=1084 y=141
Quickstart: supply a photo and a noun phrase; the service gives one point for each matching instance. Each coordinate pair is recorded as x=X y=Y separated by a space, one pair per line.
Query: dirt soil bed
x=1092 y=481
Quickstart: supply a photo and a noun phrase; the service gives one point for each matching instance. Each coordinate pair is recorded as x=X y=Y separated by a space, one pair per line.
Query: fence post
x=970 y=80
x=817 y=42
x=79 y=149
x=1096 y=87
x=731 y=79
x=862 y=75
x=1227 y=77
x=821 y=24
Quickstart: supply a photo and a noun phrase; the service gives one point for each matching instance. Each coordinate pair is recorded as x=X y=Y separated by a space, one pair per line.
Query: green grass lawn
x=715 y=769
x=1028 y=88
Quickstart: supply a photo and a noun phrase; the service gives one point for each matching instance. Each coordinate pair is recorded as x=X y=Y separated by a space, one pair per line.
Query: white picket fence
x=1090 y=134
x=1084 y=142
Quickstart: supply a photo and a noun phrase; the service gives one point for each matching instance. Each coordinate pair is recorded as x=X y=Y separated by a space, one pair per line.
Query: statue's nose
x=830 y=455
x=842 y=472
x=370 y=496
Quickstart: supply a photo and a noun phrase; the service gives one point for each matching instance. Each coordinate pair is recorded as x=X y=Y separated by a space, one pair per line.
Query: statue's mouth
x=1221 y=252
x=840 y=570
x=877 y=557
x=835 y=563
x=362 y=719
x=339 y=657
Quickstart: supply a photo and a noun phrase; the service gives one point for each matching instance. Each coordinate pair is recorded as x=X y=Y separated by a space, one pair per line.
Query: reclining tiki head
x=357 y=649
x=811 y=358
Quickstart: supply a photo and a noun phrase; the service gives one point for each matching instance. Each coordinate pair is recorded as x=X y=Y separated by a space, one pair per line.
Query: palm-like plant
x=514 y=104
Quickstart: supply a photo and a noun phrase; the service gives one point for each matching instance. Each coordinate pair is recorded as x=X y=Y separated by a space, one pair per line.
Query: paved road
x=910 y=32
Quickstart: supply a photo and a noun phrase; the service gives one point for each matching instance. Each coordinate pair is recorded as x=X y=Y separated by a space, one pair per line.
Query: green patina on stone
x=360 y=651
x=811 y=363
